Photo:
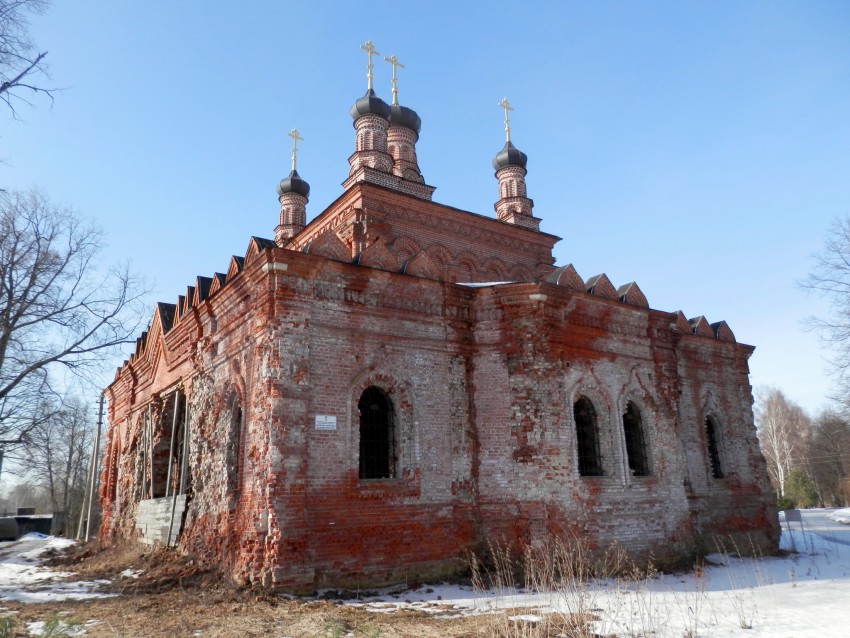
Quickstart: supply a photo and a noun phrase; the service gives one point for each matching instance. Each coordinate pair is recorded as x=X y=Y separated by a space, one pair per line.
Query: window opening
x=587 y=437
x=635 y=441
x=161 y=456
x=233 y=445
x=377 y=435
x=169 y=445
x=713 y=448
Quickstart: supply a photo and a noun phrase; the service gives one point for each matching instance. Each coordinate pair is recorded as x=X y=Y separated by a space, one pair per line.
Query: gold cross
x=394 y=61
x=507 y=106
x=369 y=48
x=295 y=139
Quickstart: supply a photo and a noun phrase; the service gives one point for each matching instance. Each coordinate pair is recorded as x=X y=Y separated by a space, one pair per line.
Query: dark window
x=232 y=459
x=377 y=435
x=635 y=441
x=713 y=448
x=587 y=437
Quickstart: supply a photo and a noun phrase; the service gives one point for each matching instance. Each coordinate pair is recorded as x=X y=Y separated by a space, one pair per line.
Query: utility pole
x=88 y=500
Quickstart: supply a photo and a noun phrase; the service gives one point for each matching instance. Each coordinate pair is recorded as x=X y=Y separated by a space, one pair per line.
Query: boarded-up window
x=633 y=430
x=587 y=438
x=377 y=435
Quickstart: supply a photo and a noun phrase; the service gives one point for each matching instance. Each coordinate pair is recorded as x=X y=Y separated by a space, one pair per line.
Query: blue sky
x=698 y=148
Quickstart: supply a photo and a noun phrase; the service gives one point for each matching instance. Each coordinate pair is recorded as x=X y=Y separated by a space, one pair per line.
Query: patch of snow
x=801 y=594
x=23 y=579
x=33 y=536
x=36 y=628
x=841 y=516
x=131 y=573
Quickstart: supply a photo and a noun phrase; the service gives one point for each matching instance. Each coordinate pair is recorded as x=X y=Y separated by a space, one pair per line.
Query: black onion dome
x=293 y=183
x=510 y=155
x=370 y=103
x=404 y=116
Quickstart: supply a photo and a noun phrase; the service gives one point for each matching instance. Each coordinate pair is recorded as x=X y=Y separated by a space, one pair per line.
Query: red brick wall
x=482 y=382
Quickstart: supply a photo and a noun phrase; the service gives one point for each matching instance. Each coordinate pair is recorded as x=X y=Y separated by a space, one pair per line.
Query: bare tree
x=783 y=430
x=830 y=277
x=20 y=60
x=57 y=310
x=829 y=458
x=23 y=494
x=57 y=457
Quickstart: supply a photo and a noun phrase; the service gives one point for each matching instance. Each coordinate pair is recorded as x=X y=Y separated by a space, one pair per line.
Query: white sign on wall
x=326 y=422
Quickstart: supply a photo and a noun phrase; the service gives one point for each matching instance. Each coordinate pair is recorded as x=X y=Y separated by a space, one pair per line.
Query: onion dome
x=370 y=103
x=293 y=183
x=403 y=116
x=510 y=155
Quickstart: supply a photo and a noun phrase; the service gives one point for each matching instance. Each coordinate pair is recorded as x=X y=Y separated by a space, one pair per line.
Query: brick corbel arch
x=521 y=273
x=404 y=248
x=441 y=257
x=467 y=268
x=495 y=269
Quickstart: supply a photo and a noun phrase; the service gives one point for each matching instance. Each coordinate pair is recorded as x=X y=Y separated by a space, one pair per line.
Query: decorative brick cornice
x=365 y=173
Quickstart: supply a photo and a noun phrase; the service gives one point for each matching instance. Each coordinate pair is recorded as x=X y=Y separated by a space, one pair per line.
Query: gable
x=378 y=256
x=567 y=277
x=601 y=286
x=330 y=246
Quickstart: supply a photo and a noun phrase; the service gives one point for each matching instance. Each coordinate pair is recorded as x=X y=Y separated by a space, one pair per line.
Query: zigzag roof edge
x=723 y=332
x=631 y=294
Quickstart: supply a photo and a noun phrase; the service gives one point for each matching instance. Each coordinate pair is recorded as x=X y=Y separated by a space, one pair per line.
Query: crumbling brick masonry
x=373 y=394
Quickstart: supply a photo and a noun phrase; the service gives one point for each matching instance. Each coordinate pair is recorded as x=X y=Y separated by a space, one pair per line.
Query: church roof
x=510 y=155
x=370 y=104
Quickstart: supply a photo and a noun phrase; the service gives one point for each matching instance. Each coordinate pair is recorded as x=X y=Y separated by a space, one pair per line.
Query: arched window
x=635 y=441
x=377 y=434
x=587 y=438
x=711 y=436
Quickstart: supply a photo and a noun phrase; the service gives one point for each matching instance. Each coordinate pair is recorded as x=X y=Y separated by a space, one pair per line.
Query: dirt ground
x=173 y=596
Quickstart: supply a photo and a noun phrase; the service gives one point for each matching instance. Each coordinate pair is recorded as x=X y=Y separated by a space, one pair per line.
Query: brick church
x=374 y=393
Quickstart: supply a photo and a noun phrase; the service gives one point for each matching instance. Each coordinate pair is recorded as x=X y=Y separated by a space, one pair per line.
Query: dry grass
x=175 y=596
x=562 y=568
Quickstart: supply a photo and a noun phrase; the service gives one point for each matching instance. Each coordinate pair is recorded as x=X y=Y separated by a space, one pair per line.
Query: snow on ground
x=24 y=579
x=841 y=516
x=805 y=594
x=57 y=628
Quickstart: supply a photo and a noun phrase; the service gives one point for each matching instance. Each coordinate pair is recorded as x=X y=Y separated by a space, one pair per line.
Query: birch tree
x=783 y=430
